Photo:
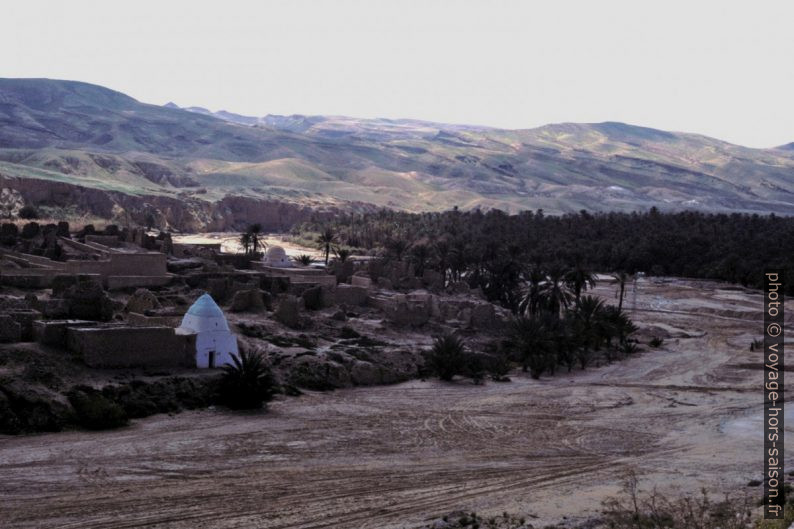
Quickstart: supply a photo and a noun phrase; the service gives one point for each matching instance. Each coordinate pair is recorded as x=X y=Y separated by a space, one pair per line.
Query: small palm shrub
x=499 y=367
x=248 y=383
x=656 y=341
x=628 y=348
x=303 y=259
x=343 y=254
x=447 y=358
x=475 y=367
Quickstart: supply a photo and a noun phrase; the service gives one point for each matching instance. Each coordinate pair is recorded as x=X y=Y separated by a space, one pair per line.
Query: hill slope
x=64 y=133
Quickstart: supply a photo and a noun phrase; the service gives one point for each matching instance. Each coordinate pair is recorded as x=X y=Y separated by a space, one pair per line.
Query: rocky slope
x=192 y=168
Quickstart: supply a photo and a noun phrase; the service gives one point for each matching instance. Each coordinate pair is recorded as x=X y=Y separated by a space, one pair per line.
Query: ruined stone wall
x=105 y=240
x=28 y=277
x=121 y=282
x=123 y=346
x=85 y=248
x=133 y=264
x=141 y=320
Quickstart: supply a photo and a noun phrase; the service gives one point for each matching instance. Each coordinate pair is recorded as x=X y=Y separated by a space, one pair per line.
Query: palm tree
x=620 y=323
x=441 y=252
x=303 y=259
x=248 y=382
x=587 y=316
x=255 y=231
x=245 y=241
x=565 y=343
x=533 y=342
x=621 y=277
x=533 y=292
x=555 y=292
x=396 y=247
x=447 y=357
x=578 y=279
x=325 y=240
x=419 y=256
x=343 y=254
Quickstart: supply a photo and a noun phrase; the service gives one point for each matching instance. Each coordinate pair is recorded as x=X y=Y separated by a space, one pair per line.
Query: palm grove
x=541 y=268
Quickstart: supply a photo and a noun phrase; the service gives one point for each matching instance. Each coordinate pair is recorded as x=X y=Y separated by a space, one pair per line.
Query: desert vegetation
x=638 y=509
x=497 y=252
x=248 y=383
x=252 y=240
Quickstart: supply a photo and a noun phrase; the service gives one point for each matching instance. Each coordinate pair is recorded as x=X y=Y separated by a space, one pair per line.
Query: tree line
x=497 y=252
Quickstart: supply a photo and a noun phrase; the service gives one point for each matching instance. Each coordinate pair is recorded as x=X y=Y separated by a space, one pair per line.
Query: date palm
x=254 y=237
x=447 y=358
x=248 y=382
x=303 y=259
x=579 y=279
x=533 y=341
x=622 y=278
x=343 y=254
x=533 y=292
x=555 y=292
x=245 y=241
x=325 y=241
x=587 y=317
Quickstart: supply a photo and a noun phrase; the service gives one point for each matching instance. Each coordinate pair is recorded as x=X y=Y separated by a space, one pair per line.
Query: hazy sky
x=725 y=69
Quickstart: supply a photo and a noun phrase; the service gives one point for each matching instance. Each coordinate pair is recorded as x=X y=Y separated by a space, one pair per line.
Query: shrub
x=28 y=212
x=656 y=341
x=303 y=259
x=248 y=383
x=652 y=510
x=499 y=367
x=475 y=367
x=447 y=358
x=94 y=411
x=628 y=348
x=347 y=333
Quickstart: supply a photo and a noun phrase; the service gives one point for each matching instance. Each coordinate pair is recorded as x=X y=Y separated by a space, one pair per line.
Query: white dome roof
x=276 y=253
x=205 y=315
x=205 y=307
x=276 y=256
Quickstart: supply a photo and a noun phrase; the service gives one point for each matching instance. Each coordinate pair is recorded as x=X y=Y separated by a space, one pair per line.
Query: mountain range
x=78 y=149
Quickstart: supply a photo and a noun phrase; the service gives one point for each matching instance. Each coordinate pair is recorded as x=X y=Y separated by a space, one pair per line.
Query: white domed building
x=277 y=257
x=215 y=343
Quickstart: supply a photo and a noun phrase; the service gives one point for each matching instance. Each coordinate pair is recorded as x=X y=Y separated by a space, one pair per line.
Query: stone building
x=215 y=343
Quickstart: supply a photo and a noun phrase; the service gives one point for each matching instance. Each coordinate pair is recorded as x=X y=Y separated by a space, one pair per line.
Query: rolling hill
x=64 y=141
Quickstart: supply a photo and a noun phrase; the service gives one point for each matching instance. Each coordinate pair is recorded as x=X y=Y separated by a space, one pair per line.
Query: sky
x=719 y=68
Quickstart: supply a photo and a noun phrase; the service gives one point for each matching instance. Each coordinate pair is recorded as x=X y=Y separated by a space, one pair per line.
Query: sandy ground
x=230 y=242
x=683 y=416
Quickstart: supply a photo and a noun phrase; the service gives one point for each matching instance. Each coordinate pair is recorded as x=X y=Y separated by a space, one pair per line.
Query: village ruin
x=126 y=299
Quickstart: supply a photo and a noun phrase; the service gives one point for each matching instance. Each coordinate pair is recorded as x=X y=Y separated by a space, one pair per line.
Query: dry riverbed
x=683 y=416
x=230 y=243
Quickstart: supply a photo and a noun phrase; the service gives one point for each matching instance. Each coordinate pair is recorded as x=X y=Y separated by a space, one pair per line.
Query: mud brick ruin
x=122 y=298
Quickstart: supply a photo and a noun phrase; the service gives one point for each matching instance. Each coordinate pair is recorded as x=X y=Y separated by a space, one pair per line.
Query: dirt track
x=684 y=416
